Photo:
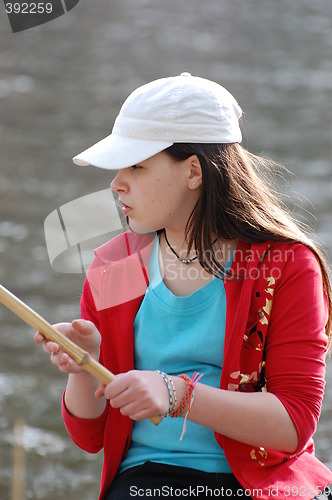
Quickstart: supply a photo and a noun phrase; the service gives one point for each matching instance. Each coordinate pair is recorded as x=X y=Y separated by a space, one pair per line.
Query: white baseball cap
x=158 y=114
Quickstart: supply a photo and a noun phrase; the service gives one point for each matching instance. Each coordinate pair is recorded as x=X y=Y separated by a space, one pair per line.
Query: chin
x=139 y=228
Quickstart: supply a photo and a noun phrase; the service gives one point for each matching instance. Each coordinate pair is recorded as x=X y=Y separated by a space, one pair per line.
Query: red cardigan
x=274 y=340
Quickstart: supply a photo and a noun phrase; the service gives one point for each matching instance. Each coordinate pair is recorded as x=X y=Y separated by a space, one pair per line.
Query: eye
x=136 y=167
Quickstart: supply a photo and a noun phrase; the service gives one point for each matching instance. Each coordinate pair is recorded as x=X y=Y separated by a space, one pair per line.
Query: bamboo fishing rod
x=80 y=356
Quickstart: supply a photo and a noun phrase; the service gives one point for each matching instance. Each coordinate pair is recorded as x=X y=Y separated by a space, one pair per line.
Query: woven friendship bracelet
x=171 y=391
x=188 y=399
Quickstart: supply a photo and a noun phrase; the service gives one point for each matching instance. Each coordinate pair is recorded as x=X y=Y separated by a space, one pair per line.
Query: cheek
x=159 y=196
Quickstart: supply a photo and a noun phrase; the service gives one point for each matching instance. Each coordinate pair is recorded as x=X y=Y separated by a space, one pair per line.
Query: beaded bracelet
x=188 y=399
x=171 y=391
x=175 y=399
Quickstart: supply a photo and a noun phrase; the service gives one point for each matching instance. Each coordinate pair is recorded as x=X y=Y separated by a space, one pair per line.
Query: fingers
x=100 y=391
x=62 y=361
x=39 y=338
x=57 y=356
x=138 y=394
x=83 y=333
x=120 y=394
x=64 y=328
x=117 y=387
x=50 y=347
x=53 y=349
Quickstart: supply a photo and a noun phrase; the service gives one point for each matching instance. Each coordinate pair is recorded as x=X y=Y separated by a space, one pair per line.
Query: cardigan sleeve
x=296 y=341
x=88 y=434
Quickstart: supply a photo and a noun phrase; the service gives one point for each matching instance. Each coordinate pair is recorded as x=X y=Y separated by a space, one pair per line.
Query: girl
x=213 y=309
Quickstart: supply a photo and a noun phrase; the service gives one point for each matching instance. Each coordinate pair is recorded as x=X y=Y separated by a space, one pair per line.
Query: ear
x=194 y=172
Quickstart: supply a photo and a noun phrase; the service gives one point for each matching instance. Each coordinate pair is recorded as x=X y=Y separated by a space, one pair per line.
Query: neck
x=177 y=244
x=177 y=239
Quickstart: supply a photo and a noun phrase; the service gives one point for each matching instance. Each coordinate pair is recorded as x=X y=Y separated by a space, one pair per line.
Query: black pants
x=152 y=480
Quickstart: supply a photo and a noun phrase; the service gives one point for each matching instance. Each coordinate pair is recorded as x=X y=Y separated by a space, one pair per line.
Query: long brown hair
x=236 y=201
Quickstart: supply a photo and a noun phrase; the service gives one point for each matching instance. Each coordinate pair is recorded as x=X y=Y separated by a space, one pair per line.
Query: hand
x=83 y=333
x=138 y=394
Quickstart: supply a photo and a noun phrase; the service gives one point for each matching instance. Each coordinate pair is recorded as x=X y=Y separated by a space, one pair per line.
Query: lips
x=125 y=208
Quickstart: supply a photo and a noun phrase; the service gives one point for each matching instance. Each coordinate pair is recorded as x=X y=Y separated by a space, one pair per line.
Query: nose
x=119 y=184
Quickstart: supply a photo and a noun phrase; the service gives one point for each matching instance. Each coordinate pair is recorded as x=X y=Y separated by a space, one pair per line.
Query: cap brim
x=116 y=152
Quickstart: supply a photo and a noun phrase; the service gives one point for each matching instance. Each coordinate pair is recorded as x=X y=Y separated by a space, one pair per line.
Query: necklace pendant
x=184 y=261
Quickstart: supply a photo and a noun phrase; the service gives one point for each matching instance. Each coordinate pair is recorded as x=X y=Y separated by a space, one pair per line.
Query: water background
x=61 y=86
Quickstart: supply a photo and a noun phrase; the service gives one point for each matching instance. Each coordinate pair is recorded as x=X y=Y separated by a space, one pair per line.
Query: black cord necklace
x=185 y=261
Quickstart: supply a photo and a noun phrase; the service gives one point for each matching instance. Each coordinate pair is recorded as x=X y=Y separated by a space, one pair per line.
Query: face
x=158 y=192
